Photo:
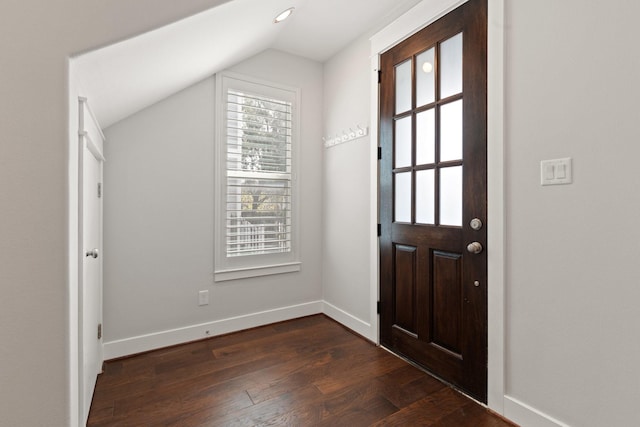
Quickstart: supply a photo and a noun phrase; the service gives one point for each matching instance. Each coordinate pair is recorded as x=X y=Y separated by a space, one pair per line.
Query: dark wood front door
x=433 y=198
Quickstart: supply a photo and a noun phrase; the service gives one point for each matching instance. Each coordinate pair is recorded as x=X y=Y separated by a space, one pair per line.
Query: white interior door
x=90 y=292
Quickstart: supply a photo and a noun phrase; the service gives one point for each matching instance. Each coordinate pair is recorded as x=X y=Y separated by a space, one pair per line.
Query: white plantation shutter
x=258 y=174
x=256 y=191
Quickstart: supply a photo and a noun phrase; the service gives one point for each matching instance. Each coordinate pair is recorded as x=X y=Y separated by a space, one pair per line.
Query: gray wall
x=346 y=283
x=572 y=271
x=159 y=213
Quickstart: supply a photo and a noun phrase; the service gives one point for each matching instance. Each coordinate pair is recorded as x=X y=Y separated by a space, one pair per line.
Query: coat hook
x=346 y=135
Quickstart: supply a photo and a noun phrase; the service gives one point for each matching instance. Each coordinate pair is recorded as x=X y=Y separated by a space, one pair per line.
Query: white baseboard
x=527 y=416
x=142 y=343
x=350 y=321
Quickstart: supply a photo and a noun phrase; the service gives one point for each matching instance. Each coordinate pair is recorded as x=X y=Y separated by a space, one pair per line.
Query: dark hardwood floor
x=304 y=372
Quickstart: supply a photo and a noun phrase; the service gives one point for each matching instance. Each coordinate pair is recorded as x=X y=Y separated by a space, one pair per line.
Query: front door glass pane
x=403 y=197
x=425 y=196
x=425 y=78
x=403 y=87
x=451 y=131
x=403 y=142
x=451 y=66
x=451 y=196
x=425 y=137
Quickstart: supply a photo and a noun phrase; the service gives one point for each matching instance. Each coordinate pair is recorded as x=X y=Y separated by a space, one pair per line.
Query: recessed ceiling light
x=284 y=15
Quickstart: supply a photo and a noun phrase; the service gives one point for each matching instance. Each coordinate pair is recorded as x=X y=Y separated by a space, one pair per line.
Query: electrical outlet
x=203 y=298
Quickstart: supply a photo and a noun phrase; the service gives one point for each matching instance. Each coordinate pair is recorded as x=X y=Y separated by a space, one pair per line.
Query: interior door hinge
x=99 y=190
x=99 y=330
x=379 y=76
x=378 y=307
x=379 y=230
x=379 y=153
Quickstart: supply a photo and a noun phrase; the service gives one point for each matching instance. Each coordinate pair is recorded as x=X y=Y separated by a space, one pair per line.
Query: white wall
x=573 y=318
x=159 y=219
x=37 y=275
x=346 y=282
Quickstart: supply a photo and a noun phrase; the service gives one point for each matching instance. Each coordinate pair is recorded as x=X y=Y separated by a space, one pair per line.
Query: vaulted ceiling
x=123 y=78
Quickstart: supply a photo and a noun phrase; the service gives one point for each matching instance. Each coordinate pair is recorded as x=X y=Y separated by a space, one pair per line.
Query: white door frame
x=418 y=17
x=90 y=137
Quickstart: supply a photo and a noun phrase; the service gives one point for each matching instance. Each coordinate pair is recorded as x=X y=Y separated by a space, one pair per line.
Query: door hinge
x=379 y=153
x=99 y=330
x=99 y=190
x=378 y=307
x=379 y=230
x=379 y=76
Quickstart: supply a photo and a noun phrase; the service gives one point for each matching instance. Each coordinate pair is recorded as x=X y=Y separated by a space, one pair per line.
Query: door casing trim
x=405 y=26
x=96 y=148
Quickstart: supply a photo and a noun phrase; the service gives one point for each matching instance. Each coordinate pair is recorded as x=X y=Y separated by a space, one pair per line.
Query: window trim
x=232 y=268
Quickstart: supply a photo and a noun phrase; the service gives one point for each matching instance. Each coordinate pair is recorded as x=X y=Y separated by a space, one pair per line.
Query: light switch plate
x=556 y=172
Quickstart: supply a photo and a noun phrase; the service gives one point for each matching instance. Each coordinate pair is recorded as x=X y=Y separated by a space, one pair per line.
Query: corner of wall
x=367 y=330
x=526 y=415
x=73 y=389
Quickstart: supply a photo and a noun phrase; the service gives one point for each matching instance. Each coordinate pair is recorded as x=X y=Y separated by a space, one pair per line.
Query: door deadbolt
x=475 y=224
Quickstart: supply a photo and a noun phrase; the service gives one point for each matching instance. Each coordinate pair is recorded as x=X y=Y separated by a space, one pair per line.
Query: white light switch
x=549 y=172
x=556 y=171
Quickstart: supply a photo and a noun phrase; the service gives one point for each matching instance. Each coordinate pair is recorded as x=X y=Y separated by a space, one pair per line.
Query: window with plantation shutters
x=256 y=190
x=258 y=174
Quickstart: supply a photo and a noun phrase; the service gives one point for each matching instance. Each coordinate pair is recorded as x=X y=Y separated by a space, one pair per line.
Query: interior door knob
x=474 y=247
x=93 y=253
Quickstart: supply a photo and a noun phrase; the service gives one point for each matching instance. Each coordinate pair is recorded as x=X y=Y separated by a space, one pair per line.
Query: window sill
x=244 y=273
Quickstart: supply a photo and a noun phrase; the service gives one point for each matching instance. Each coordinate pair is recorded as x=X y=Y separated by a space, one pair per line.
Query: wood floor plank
x=305 y=372
x=355 y=399
x=363 y=413
x=357 y=369
x=307 y=415
x=428 y=410
x=470 y=415
x=257 y=414
x=402 y=393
